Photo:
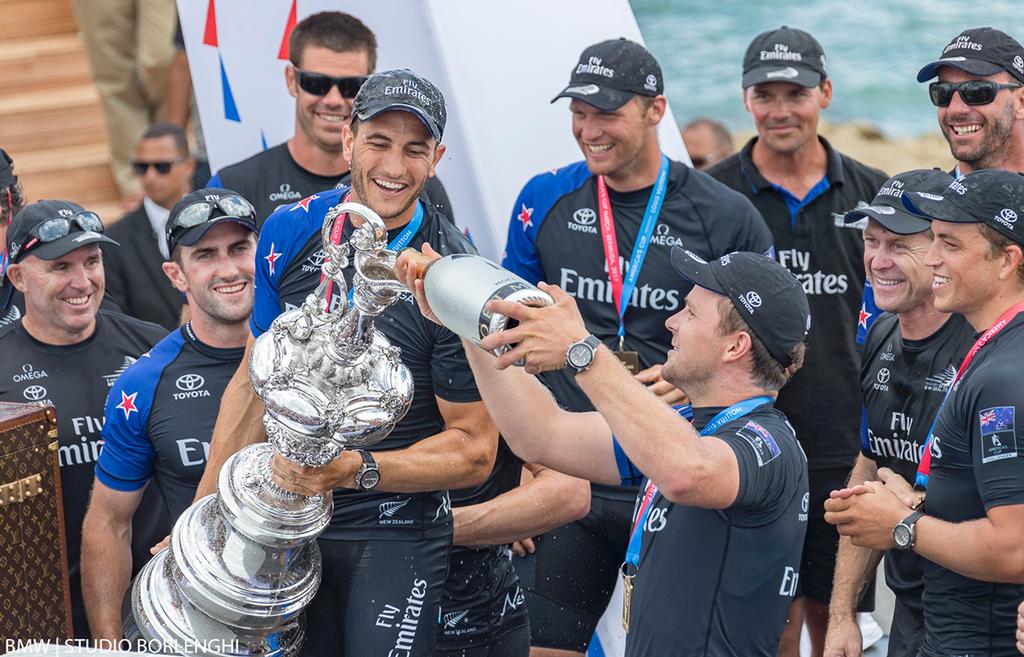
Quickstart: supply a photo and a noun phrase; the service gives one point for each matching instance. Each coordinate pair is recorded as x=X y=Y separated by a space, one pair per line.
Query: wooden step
x=76 y=173
x=28 y=18
x=43 y=118
x=50 y=62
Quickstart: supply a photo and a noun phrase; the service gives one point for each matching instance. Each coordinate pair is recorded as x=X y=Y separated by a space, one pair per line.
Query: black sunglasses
x=199 y=213
x=163 y=168
x=52 y=230
x=972 y=92
x=319 y=84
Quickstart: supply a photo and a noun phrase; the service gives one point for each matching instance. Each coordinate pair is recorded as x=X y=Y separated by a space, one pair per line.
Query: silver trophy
x=243 y=562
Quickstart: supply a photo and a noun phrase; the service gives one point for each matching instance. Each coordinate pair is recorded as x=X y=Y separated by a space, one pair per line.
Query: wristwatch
x=904 y=533
x=368 y=474
x=581 y=354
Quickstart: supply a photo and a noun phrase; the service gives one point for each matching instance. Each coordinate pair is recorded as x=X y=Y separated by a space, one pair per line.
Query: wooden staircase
x=50 y=118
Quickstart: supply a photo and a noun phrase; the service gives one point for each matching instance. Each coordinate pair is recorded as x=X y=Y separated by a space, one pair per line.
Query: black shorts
x=818 y=564
x=907 y=631
x=570 y=578
x=482 y=599
x=514 y=643
x=377 y=597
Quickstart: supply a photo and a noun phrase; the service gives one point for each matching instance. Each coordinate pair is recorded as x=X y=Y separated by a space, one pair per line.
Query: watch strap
x=591 y=341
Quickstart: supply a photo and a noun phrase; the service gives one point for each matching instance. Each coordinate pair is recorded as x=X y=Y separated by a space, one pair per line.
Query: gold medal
x=628 y=574
x=630 y=359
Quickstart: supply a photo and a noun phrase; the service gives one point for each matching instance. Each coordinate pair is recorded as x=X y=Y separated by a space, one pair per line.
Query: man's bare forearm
x=854 y=565
x=549 y=500
x=106 y=572
x=239 y=424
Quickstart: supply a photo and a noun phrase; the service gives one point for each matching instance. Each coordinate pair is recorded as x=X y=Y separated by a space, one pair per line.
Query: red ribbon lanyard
x=611 y=245
x=336 y=230
x=649 y=494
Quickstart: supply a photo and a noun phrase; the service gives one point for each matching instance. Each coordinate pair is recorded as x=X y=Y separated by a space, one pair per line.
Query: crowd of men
x=754 y=382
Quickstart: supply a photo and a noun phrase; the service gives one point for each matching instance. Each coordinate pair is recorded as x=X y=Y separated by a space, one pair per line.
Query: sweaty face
x=391 y=156
x=62 y=295
x=963 y=268
x=167 y=188
x=895 y=266
x=978 y=134
x=786 y=114
x=612 y=142
x=321 y=118
x=218 y=271
x=696 y=344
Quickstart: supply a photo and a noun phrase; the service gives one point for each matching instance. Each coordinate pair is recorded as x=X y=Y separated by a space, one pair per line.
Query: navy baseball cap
x=769 y=299
x=994 y=197
x=52 y=229
x=979 y=51
x=784 y=55
x=199 y=211
x=401 y=89
x=7 y=177
x=888 y=207
x=611 y=72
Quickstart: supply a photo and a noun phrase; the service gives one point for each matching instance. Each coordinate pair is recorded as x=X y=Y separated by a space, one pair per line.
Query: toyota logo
x=805 y=502
x=883 y=375
x=1008 y=215
x=584 y=216
x=35 y=393
x=189 y=382
x=318 y=258
x=754 y=299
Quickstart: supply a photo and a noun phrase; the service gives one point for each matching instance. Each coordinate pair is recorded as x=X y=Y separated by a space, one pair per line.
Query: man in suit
x=135 y=279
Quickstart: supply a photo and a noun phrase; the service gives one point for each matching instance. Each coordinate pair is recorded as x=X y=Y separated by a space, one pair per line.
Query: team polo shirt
x=288 y=260
x=977 y=464
x=719 y=582
x=75 y=379
x=272 y=179
x=160 y=416
x=826 y=255
x=903 y=383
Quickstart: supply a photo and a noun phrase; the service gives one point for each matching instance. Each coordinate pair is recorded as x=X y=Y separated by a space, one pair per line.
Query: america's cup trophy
x=243 y=562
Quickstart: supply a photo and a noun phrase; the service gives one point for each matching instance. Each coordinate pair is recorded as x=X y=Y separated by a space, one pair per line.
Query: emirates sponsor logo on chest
x=814 y=282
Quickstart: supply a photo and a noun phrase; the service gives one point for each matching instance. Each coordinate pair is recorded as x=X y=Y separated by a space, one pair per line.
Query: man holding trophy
x=724 y=508
x=385 y=552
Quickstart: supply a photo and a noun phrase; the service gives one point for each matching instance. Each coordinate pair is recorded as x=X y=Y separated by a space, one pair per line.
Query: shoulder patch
x=761 y=440
x=998 y=434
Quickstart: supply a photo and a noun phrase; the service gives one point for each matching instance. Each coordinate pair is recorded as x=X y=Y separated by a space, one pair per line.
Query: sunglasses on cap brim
x=201 y=211
x=54 y=229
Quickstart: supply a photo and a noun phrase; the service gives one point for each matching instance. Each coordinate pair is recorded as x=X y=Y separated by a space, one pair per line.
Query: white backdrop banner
x=498 y=65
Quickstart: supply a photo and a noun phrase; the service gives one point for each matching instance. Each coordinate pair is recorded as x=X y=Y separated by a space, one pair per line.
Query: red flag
x=210 y=34
x=282 y=53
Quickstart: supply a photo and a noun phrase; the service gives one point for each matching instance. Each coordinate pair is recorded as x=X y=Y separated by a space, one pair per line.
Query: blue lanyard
x=3 y=264
x=402 y=239
x=735 y=411
x=643 y=238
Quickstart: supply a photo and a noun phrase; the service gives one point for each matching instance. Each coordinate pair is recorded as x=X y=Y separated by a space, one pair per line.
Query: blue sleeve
x=214 y=181
x=521 y=255
x=126 y=460
x=269 y=264
x=865 y=438
x=869 y=312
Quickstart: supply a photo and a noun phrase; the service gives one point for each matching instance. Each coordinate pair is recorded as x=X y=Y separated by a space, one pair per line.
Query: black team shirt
x=822 y=400
x=719 y=582
x=272 y=179
x=160 y=416
x=76 y=379
x=977 y=465
x=903 y=383
x=288 y=260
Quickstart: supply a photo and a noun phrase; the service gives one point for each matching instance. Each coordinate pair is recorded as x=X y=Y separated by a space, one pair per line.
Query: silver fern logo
x=453 y=618
x=389 y=509
x=112 y=377
x=941 y=381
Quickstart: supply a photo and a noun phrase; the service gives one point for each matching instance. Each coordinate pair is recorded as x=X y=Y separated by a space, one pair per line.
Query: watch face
x=901 y=534
x=368 y=479
x=579 y=355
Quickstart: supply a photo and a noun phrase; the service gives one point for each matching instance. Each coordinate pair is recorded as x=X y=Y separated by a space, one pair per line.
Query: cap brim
x=603 y=98
x=67 y=244
x=194 y=234
x=937 y=207
x=894 y=220
x=786 y=72
x=696 y=270
x=972 y=66
x=369 y=113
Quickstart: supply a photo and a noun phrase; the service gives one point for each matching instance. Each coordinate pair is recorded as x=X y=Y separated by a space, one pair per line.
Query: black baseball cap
x=784 y=55
x=221 y=206
x=7 y=177
x=979 y=51
x=611 y=72
x=769 y=298
x=401 y=89
x=81 y=229
x=994 y=197
x=888 y=207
